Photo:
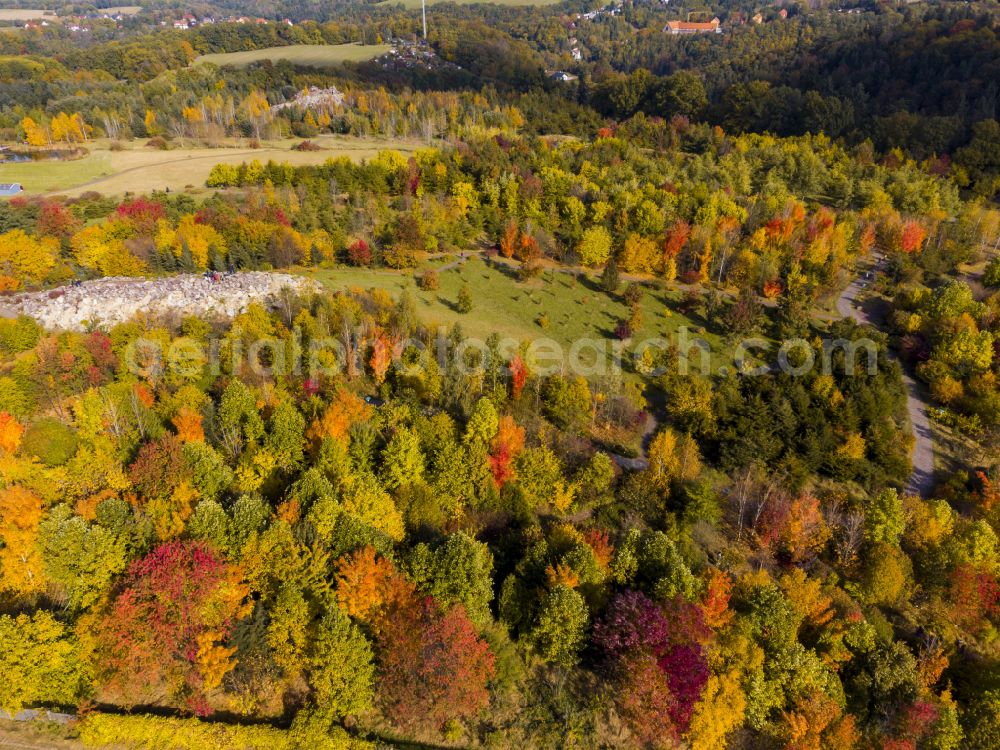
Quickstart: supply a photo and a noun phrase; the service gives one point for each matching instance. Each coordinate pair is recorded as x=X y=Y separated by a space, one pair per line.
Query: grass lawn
x=45 y=176
x=138 y=169
x=313 y=55
x=576 y=309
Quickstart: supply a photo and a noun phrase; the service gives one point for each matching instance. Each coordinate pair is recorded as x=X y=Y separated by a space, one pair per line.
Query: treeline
x=752 y=212
x=817 y=72
x=919 y=79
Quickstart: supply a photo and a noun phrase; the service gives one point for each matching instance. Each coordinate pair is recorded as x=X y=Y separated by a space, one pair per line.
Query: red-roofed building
x=688 y=27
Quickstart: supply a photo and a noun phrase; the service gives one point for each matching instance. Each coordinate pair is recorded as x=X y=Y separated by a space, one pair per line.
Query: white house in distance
x=693 y=27
x=562 y=76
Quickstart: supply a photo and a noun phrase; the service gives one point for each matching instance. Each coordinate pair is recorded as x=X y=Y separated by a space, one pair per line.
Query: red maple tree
x=433 y=664
x=159 y=633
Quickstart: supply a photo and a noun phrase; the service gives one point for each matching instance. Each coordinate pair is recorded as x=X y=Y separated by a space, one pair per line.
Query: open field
x=24 y=14
x=125 y=10
x=313 y=55
x=43 y=176
x=575 y=306
x=141 y=170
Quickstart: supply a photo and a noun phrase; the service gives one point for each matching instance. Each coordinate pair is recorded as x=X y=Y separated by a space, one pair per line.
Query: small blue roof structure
x=10 y=188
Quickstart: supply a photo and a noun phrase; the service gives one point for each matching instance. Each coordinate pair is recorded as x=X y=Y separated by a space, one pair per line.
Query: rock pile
x=107 y=302
x=314 y=98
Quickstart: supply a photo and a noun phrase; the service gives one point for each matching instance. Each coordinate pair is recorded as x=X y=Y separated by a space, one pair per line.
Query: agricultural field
x=139 y=169
x=560 y=306
x=124 y=10
x=24 y=14
x=312 y=55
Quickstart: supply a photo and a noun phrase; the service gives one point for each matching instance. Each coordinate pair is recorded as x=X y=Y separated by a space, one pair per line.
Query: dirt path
x=921 y=482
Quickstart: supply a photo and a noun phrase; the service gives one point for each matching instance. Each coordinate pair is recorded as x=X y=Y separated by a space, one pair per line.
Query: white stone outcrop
x=314 y=98
x=109 y=301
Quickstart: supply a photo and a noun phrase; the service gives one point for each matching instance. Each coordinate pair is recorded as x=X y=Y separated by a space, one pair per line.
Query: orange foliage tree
x=715 y=603
x=912 y=237
x=509 y=239
x=369 y=586
x=346 y=410
x=518 y=375
x=10 y=433
x=504 y=448
x=188 y=425
x=381 y=357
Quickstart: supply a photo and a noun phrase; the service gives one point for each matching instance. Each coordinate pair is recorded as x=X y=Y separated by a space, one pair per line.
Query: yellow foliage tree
x=639 y=254
x=20 y=559
x=197 y=239
x=34 y=133
x=718 y=713
x=168 y=514
x=102 y=247
x=672 y=457
x=68 y=128
x=26 y=259
x=366 y=499
x=257 y=110
x=214 y=660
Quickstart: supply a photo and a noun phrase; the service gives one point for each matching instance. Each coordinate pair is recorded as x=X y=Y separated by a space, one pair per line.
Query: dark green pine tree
x=610 y=278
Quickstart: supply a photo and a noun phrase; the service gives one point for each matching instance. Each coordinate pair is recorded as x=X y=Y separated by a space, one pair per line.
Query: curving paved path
x=922 y=479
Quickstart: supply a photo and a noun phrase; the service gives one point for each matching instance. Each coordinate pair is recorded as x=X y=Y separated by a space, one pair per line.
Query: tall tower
x=423 y=9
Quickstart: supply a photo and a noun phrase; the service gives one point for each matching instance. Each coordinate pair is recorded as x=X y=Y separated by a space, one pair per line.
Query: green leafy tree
x=82 y=560
x=610 y=277
x=594 y=247
x=287 y=632
x=240 y=422
x=464 y=303
x=483 y=424
x=341 y=666
x=459 y=572
x=885 y=519
x=285 y=438
x=208 y=470
x=539 y=473
x=982 y=722
x=560 y=629
x=568 y=402
x=40 y=662
x=402 y=460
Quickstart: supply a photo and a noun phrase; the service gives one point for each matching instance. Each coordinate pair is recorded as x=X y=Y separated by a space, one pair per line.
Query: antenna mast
x=423 y=8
